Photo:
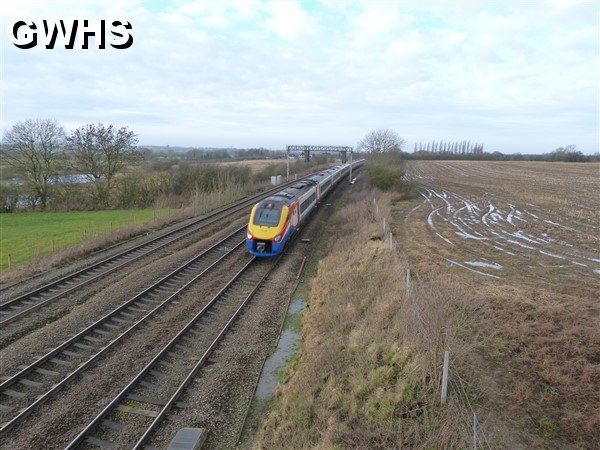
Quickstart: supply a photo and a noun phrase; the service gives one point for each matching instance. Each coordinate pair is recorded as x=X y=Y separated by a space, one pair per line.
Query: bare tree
x=100 y=152
x=32 y=147
x=382 y=140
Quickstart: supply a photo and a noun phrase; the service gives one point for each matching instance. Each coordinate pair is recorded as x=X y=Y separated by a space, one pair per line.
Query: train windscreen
x=267 y=217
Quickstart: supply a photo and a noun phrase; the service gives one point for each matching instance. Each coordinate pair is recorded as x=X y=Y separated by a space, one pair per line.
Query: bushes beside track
x=386 y=172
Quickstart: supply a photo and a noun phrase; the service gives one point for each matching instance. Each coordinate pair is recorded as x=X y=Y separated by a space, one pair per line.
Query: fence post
x=391 y=243
x=474 y=431
x=445 y=378
x=53 y=245
x=9 y=261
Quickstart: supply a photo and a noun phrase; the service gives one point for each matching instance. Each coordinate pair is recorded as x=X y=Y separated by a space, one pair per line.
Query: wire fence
x=456 y=388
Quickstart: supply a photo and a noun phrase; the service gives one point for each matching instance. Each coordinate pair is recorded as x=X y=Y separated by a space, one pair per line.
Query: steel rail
x=108 y=317
x=163 y=412
x=166 y=349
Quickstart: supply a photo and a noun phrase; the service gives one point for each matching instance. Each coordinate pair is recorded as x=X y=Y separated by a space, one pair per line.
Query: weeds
x=367 y=373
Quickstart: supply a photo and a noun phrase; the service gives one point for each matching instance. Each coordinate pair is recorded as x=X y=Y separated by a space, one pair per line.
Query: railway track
x=130 y=419
x=16 y=308
x=23 y=392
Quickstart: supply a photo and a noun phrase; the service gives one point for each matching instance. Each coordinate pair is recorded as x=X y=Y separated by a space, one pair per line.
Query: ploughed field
x=524 y=237
x=507 y=219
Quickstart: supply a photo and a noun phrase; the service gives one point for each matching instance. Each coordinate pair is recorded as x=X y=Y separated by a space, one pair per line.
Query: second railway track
x=22 y=392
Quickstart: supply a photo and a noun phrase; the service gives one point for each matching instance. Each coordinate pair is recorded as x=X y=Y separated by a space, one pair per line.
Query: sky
x=515 y=76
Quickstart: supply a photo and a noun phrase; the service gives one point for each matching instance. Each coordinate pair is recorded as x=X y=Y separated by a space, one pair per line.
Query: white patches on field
x=512 y=241
x=579 y=264
x=484 y=217
x=560 y=226
x=597 y=271
x=504 y=250
x=442 y=237
x=520 y=235
x=430 y=218
x=484 y=264
x=472 y=270
x=551 y=254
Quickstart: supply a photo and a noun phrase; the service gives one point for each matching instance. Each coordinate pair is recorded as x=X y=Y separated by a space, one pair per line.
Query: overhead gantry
x=307 y=149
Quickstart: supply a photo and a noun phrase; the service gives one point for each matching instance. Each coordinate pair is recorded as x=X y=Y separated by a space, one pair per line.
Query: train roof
x=291 y=193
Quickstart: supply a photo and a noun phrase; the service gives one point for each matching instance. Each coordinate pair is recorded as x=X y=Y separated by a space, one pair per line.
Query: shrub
x=386 y=171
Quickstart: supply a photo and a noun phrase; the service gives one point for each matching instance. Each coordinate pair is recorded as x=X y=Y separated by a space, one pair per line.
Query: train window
x=268 y=217
x=306 y=203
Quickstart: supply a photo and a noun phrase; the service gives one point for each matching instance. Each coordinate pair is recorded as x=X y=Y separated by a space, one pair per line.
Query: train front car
x=269 y=228
x=273 y=221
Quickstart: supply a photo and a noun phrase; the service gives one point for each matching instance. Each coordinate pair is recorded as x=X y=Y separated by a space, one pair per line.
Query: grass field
x=28 y=235
x=255 y=165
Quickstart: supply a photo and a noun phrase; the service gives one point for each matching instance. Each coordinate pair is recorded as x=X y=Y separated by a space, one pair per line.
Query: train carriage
x=274 y=220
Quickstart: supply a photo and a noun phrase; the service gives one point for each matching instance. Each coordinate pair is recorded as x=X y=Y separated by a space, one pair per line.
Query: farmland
x=255 y=165
x=28 y=235
x=523 y=239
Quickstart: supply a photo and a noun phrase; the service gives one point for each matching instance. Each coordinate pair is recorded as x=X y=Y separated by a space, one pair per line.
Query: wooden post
x=9 y=261
x=53 y=245
x=445 y=378
x=391 y=242
x=299 y=274
x=474 y=431
x=111 y=229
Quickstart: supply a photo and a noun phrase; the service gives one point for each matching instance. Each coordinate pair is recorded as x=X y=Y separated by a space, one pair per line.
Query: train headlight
x=277 y=238
x=248 y=235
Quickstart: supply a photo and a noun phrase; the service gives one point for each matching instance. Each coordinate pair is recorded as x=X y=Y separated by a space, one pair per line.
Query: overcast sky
x=516 y=76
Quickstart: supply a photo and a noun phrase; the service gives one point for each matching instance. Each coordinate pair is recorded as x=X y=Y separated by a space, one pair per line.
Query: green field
x=29 y=235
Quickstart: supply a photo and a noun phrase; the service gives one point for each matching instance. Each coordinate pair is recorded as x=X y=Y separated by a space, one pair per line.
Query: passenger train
x=274 y=220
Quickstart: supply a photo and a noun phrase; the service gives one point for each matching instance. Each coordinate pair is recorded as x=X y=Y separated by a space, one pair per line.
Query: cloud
x=266 y=74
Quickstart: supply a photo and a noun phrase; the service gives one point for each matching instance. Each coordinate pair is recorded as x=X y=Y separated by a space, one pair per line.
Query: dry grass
x=535 y=329
x=255 y=165
x=367 y=374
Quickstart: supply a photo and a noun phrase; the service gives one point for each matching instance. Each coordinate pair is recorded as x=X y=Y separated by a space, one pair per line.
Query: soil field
x=524 y=237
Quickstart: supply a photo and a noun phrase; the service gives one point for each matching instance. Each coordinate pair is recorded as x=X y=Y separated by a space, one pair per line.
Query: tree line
x=386 y=140
x=452 y=148
x=567 y=153
x=98 y=166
